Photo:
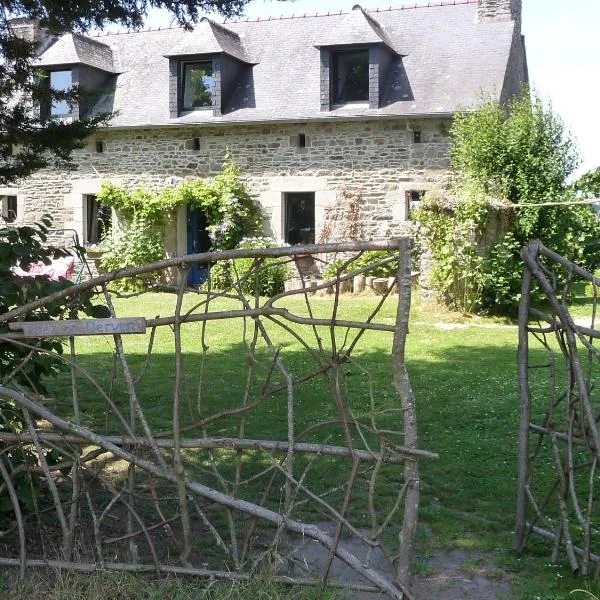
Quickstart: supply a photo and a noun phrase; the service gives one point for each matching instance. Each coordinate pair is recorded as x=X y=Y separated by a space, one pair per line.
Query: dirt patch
x=448 y=575
x=459 y=575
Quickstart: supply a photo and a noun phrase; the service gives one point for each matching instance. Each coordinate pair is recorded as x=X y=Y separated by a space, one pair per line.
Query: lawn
x=463 y=372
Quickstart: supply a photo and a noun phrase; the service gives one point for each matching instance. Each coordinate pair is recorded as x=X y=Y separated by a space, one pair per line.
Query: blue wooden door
x=197 y=241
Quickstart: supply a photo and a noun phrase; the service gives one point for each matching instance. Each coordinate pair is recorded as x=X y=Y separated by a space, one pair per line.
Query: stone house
x=308 y=106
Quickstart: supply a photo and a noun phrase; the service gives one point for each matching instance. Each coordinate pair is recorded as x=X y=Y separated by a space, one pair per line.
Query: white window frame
x=20 y=205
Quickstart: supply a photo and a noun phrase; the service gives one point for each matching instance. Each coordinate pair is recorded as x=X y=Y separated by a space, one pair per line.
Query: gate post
x=407 y=401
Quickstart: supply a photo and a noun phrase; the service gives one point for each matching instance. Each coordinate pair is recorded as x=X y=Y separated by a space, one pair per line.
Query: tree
x=28 y=141
x=589 y=183
x=520 y=154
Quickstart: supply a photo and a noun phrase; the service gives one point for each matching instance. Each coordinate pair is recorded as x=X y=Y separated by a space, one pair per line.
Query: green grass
x=465 y=384
x=124 y=586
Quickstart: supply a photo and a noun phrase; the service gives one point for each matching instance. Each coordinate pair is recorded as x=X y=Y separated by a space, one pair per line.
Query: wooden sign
x=41 y=329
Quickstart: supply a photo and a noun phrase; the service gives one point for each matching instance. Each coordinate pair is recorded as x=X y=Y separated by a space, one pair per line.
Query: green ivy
x=142 y=242
x=230 y=210
x=454 y=232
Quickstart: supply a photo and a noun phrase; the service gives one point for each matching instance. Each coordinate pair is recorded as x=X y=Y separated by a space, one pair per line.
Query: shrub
x=389 y=269
x=269 y=277
x=453 y=231
x=23 y=366
x=140 y=242
x=522 y=155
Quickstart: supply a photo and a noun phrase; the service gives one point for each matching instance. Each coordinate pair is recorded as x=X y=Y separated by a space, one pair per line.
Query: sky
x=563 y=51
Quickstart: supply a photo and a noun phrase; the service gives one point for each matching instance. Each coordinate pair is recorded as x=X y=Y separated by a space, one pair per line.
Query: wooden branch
x=525 y=400
x=192 y=259
x=396 y=590
x=265 y=312
x=407 y=402
x=160 y=457
x=178 y=468
x=14 y=500
x=550 y=535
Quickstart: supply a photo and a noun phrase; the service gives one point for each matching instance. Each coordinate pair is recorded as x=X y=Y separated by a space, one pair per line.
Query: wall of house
x=377 y=158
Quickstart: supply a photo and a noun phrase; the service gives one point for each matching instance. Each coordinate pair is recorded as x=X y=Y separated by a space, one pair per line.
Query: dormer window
x=350 y=76
x=197 y=85
x=61 y=81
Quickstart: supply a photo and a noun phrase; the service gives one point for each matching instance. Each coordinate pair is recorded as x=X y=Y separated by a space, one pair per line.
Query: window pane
x=351 y=76
x=61 y=81
x=413 y=202
x=300 y=218
x=198 y=84
x=98 y=220
x=8 y=204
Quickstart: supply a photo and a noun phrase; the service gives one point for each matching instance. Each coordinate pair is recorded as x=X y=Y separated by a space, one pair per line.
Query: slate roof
x=73 y=49
x=445 y=59
x=210 y=38
x=355 y=27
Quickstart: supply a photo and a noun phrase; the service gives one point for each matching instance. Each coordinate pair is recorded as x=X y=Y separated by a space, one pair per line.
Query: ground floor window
x=98 y=219
x=299 y=223
x=9 y=208
x=413 y=201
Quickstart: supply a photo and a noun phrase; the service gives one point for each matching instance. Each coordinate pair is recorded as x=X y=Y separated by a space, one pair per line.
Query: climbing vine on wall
x=231 y=213
x=453 y=231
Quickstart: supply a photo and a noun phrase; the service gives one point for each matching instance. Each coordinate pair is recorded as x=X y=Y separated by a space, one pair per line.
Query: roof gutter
x=337 y=119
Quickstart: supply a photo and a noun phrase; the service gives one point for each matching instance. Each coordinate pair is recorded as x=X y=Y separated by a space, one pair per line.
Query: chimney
x=30 y=30
x=499 y=10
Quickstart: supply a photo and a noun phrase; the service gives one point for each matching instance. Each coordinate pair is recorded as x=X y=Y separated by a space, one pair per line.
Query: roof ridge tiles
x=413 y=6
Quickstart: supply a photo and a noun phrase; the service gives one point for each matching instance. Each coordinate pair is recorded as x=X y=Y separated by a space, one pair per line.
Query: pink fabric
x=61 y=268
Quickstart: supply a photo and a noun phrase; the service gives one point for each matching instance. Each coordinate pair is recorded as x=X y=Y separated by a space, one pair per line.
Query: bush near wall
x=268 y=280
x=522 y=155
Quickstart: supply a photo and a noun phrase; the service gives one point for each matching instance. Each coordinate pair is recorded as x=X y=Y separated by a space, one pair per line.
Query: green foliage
x=229 y=209
x=572 y=231
x=268 y=279
x=589 y=183
x=453 y=231
x=371 y=256
x=22 y=246
x=139 y=243
x=520 y=154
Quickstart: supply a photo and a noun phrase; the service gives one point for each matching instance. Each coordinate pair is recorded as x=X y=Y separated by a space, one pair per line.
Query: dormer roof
x=209 y=37
x=73 y=49
x=356 y=28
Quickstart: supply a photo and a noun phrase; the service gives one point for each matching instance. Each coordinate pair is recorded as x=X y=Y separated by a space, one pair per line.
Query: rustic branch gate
x=214 y=493
x=560 y=408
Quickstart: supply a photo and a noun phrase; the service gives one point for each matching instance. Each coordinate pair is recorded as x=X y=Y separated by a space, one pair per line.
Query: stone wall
x=379 y=158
